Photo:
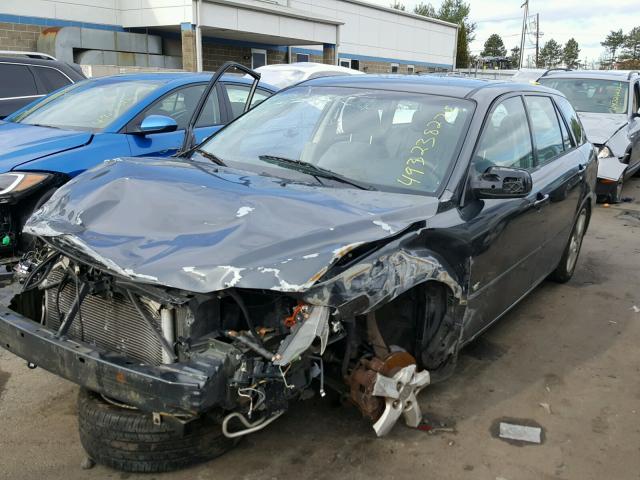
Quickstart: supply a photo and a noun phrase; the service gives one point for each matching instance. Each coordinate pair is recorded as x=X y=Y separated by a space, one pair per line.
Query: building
x=202 y=34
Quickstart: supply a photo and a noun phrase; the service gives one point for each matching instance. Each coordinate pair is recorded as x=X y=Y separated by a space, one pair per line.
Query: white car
x=285 y=74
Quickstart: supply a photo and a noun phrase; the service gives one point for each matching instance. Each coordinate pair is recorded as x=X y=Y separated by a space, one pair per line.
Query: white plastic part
x=168 y=331
x=400 y=394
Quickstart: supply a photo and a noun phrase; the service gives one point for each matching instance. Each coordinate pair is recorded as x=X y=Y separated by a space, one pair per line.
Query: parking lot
x=566 y=358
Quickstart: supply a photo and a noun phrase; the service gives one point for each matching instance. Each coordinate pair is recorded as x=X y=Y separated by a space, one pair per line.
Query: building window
x=411 y=69
x=302 y=57
x=258 y=57
x=355 y=64
x=394 y=68
x=345 y=62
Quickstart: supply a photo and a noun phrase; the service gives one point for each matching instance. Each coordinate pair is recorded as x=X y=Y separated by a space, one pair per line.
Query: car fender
x=611 y=168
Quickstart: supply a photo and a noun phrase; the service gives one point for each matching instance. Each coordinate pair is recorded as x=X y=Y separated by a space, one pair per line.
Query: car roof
x=594 y=74
x=174 y=79
x=447 y=86
x=68 y=68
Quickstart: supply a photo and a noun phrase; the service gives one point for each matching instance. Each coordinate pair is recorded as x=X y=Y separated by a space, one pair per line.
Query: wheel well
x=422 y=321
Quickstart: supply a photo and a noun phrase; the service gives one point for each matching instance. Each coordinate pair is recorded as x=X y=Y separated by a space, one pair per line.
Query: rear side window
x=51 y=78
x=16 y=81
x=546 y=129
x=505 y=141
x=571 y=117
x=238 y=98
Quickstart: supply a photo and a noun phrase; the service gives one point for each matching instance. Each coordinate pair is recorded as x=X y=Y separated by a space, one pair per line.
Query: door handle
x=541 y=200
x=581 y=167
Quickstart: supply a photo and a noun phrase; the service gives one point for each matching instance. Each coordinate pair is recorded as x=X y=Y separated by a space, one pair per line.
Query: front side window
x=592 y=95
x=346 y=131
x=546 y=129
x=181 y=104
x=506 y=140
x=88 y=105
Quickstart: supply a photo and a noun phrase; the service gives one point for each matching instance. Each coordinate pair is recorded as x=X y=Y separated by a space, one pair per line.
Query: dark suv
x=26 y=76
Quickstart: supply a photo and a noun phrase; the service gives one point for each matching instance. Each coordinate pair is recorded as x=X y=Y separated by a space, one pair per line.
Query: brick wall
x=19 y=36
x=214 y=55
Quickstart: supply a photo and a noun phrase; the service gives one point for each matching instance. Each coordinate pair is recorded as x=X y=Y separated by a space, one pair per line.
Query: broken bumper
x=187 y=388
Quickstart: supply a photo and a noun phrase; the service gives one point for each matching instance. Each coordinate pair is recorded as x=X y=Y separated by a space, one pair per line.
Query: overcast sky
x=588 y=21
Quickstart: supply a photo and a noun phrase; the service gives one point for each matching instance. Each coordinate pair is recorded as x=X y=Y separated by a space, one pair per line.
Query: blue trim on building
x=367 y=58
x=53 y=22
x=186 y=26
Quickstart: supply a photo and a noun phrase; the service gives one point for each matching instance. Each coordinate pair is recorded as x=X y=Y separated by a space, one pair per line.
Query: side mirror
x=157 y=124
x=502 y=182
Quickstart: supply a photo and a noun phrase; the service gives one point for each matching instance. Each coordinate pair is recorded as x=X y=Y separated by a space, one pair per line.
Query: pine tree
x=571 y=53
x=494 y=47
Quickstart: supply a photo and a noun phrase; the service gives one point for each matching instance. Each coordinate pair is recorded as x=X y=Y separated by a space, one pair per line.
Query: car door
x=634 y=127
x=178 y=104
x=557 y=177
x=17 y=87
x=506 y=235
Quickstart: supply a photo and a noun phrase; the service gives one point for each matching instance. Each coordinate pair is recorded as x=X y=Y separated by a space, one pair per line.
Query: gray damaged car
x=349 y=233
x=608 y=103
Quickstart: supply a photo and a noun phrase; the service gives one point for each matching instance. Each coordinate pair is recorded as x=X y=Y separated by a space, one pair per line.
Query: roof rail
x=631 y=73
x=40 y=55
x=561 y=69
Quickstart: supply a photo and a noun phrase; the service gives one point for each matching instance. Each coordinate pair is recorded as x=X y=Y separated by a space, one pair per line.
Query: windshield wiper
x=211 y=156
x=312 y=170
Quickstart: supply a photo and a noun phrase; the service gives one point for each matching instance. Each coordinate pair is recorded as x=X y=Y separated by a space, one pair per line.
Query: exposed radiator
x=111 y=324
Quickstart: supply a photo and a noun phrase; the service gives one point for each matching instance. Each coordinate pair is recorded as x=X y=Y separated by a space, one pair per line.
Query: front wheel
x=127 y=439
x=616 y=194
x=564 y=270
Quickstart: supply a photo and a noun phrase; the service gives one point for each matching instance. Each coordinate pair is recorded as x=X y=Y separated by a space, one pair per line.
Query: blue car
x=50 y=141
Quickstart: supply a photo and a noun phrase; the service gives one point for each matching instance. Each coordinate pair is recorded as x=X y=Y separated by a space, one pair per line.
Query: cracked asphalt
x=567 y=358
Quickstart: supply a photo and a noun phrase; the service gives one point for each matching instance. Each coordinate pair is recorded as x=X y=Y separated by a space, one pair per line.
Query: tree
x=457 y=11
x=453 y=11
x=631 y=45
x=425 y=9
x=462 y=51
x=613 y=42
x=494 y=47
x=514 y=58
x=550 y=55
x=398 y=6
x=571 y=53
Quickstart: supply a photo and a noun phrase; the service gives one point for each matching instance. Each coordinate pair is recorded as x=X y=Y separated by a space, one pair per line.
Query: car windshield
x=88 y=105
x=386 y=140
x=592 y=95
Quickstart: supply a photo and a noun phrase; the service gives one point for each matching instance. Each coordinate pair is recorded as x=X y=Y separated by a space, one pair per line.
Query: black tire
x=566 y=267
x=616 y=193
x=128 y=440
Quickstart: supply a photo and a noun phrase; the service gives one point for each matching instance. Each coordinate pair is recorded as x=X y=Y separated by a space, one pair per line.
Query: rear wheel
x=566 y=267
x=127 y=439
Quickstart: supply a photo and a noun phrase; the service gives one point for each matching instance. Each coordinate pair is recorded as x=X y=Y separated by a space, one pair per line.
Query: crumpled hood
x=600 y=127
x=20 y=143
x=202 y=228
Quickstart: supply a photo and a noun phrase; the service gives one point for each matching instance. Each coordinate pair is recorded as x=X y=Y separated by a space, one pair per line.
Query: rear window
x=16 y=81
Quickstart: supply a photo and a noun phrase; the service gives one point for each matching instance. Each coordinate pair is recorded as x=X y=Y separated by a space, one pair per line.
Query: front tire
x=616 y=194
x=127 y=439
x=566 y=267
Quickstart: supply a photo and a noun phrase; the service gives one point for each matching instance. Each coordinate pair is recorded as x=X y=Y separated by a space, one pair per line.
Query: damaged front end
x=153 y=321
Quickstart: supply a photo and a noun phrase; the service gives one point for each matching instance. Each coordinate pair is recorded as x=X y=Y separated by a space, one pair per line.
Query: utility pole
x=537 y=37
x=524 y=29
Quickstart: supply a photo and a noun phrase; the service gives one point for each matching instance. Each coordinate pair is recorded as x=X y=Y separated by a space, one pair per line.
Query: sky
x=588 y=21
